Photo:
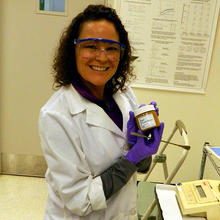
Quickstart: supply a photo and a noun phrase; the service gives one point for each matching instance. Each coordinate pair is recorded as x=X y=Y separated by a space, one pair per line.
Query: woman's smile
x=98 y=68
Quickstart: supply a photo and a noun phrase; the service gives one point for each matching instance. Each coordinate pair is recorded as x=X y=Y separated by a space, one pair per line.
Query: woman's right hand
x=146 y=147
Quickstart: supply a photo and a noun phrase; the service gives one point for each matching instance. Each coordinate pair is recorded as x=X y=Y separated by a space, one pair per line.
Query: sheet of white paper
x=168 y=203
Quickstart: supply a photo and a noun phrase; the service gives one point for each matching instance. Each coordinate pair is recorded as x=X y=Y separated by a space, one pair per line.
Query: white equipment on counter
x=199 y=198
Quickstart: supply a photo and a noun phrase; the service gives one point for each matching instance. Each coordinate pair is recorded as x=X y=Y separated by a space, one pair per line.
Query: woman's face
x=97 y=69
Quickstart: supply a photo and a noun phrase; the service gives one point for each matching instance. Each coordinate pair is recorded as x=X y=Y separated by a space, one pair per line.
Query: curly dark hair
x=64 y=65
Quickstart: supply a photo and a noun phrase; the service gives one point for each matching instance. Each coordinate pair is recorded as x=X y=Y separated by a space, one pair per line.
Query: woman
x=85 y=126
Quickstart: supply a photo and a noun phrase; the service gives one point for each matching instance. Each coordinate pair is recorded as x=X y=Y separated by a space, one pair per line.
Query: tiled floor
x=22 y=198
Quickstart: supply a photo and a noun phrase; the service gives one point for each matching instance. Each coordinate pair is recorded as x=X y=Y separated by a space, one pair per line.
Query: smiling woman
x=92 y=24
x=85 y=126
x=97 y=60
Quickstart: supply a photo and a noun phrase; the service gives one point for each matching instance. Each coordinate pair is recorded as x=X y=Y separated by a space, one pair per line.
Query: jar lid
x=143 y=109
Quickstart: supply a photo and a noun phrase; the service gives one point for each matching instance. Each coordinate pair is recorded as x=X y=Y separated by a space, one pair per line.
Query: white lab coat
x=80 y=141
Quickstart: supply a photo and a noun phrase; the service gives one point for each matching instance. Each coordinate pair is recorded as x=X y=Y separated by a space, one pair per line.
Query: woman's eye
x=91 y=46
x=112 y=49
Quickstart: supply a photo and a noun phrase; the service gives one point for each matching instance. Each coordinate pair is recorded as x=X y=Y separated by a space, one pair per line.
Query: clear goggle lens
x=92 y=47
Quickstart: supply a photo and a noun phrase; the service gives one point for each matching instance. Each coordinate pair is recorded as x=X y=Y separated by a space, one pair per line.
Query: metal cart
x=213 y=153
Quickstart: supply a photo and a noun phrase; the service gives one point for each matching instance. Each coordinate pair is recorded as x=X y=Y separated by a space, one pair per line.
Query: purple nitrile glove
x=132 y=127
x=145 y=147
x=155 y=106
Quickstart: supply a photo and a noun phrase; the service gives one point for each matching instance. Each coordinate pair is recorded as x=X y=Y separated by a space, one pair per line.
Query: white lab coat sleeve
x=70 y=175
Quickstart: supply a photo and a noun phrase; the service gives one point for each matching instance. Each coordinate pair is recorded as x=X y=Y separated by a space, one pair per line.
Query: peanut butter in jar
x=146 y=118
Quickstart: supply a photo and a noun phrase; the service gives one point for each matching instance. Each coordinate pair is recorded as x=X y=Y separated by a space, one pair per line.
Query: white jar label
x=146 y=121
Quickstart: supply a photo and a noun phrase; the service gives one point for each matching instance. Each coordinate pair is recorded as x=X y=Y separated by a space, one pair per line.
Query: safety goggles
x=92 y=47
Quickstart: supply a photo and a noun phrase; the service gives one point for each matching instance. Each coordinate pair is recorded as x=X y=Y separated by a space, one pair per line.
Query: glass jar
x=146 y=118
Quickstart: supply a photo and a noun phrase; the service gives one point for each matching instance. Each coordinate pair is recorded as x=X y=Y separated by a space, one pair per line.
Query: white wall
x=27 y=43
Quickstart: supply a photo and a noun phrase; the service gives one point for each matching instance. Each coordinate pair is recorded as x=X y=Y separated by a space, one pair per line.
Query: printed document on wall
x=172 y=41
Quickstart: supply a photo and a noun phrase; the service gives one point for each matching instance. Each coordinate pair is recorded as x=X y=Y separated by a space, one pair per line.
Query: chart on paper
x=172 y=41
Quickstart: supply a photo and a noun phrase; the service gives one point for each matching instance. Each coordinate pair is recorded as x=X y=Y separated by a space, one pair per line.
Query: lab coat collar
x=95 y=115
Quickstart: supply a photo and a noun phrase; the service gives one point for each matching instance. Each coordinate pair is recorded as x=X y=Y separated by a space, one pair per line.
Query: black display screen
x=201 y=191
